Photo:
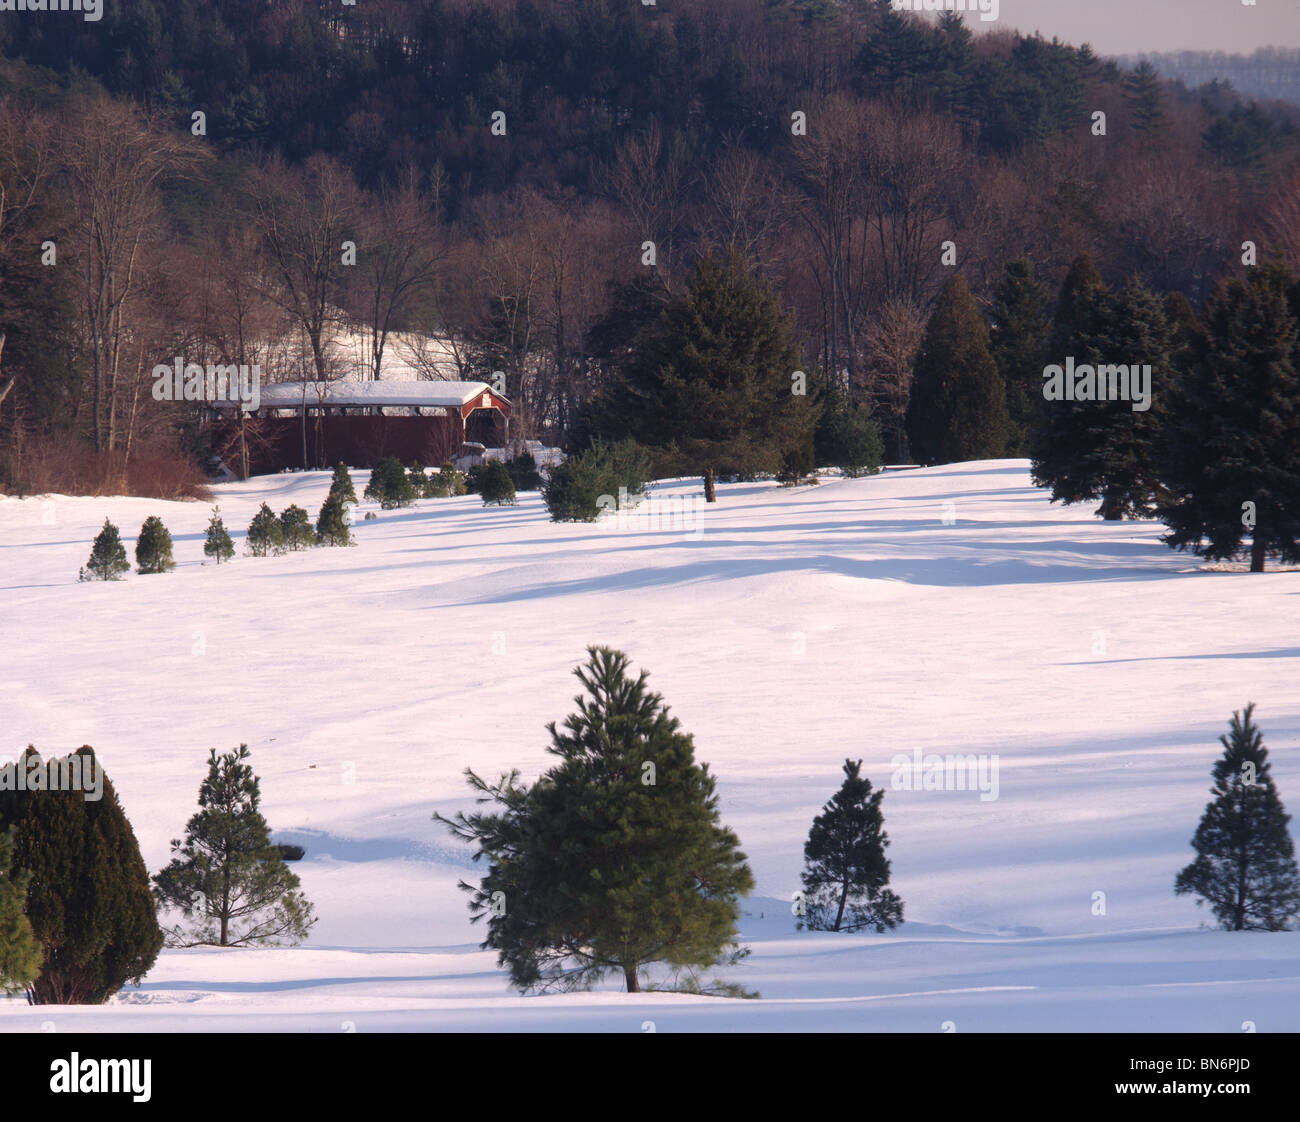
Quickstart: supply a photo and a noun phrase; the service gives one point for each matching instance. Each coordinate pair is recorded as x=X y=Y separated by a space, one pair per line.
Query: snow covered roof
x=436 y=394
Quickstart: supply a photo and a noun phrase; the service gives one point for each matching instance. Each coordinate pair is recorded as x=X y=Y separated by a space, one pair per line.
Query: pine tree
x=1245 y=867
x=845 y=868
x=418 y=480
x=332 y=522
x=389 y=484
x=1088 y=449
x=713 y=388
x=496 y=485
x=341 y=482
x=153 y=548
x=615 y=859
x=847 y=436
x=1018 y=343
x=107 y=556
x=88 y=898
x=295 y=528
x=958 y=408
x=218 y=544
x=20 y=953
x=265 y=533
x=1145 y=101
x=231 y=884
x=1231 y=457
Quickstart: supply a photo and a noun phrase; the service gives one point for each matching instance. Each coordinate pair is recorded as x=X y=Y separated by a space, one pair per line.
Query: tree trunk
x=709 y=495
x=1112 y=507
x=839 y=916
x=1257 y=553
x=633 y=982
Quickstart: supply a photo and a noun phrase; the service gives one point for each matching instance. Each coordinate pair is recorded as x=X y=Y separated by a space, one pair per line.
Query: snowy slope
x=862 y=618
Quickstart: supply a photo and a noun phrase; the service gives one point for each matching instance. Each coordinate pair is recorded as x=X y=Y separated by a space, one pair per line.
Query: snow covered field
x=864 y=618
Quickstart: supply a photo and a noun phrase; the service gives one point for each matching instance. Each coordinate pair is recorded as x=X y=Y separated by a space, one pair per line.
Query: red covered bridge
x=318 y=424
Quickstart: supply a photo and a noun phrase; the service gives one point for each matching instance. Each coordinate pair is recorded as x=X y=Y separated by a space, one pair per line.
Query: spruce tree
x=265 y=533
x=1089 y=449
x=20 y=953
x=615 y=859
x=218 y=544
x=1144 y=100
x=958 y=407
x=153 y=548
x=296 y=529
x=1018 y=343
x=418 y=480
x=341 y=482
x=847 y=436
x=1245 y=867
x=227 y=879
x=88 y=898
x=332 y=522
x=845 y=868
x=713 y=387
x=1231 y=456
x=107 y=556
x=389 y=484
x=496 y=486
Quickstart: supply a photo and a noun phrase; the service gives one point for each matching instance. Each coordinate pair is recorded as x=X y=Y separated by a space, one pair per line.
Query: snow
x=946 y=610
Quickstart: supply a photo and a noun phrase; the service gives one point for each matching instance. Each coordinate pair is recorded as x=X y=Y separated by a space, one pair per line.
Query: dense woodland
x=180 y=179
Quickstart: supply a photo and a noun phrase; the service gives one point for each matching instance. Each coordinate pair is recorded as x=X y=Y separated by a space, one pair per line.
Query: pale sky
x=1129 y=26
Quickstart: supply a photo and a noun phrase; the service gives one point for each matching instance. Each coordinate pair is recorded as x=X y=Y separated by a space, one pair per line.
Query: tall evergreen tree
x=217 y=544
x=341 y=482
x=231 y=884
x=713 y=388
x=88 y=894
x=1245 y=866
x=1145 y=100
x=332 y=522
x=153 y=548
x=1231 y=459
x=1018 y=343
x=107 y=556
x=1087 y=449
x=20 y=953
x=958 y=408
x=615 y=859
x=845 y=868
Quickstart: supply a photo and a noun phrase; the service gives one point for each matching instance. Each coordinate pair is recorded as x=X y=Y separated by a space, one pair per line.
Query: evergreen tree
x=418 y=480
x=958 y=408
x=1087 y=449
x=615 y=859
x=265 y=533
x=20 y=953
x=389 y=484
x=295 y=528
x=1245 y=867
x=153 y=548
x=229 y=881
x=88 y=896
x=847 y=436
x=342 y=483
x=845 y=868
x=1231 y=460
x=711 y=389
x=1018 y=343
x=1145 y=101
x=218 y=544
x=332 y=522
x=107 y=556
x=496 y=486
